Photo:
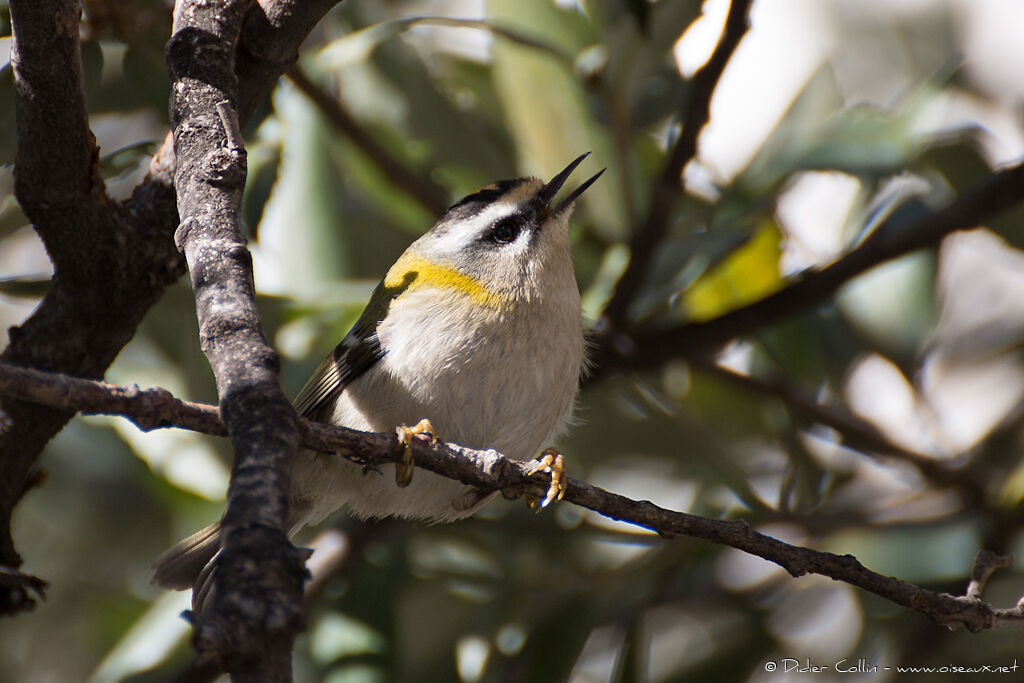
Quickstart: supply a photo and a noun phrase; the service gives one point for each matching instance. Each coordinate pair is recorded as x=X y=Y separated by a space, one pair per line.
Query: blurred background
x=834 y=117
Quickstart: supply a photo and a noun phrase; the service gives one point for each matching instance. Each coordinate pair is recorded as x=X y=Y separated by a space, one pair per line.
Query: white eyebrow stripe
x=456 y=238
x=456 y=234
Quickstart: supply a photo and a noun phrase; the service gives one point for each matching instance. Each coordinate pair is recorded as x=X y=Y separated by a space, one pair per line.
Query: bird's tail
x=179 y=566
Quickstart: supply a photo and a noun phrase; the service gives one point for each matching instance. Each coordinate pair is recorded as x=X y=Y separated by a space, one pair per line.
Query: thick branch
x=336 y=552
x=57 y=165
x=647 y=349
x=55 y=175
x=668 y=187
x=269 y=45
x=98 y=293
x=492 y=471
x=113 y=261
x=251 y=621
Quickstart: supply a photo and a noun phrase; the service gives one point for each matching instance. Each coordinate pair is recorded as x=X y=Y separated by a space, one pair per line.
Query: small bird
x=475 y=334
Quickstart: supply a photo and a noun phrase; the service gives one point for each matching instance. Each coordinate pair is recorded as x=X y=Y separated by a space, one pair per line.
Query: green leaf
x=127 y=157
x=12 y=218
x=553 y=125
x=25 y=288
x=264 y=163
x=358 y=46
x=748 y=274
x=958 y=159
x=893 y=305
x=304 y=194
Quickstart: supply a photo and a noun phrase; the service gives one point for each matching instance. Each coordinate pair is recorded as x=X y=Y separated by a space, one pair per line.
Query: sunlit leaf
x=748 y=274
x=150 y=640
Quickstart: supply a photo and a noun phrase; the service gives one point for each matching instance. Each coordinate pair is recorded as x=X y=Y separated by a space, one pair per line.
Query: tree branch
x=52 y=127
x=336 y=552
x=99 y=292
x=492 y=471
x=651 y=348
x=250 y=622
x=57 y=160
x=269 y=45
x=986 y=563
x=856 y=432
x=112 y=260
x=668 y=187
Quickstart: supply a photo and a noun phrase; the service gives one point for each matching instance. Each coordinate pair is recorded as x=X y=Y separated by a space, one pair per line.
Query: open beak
x=548 y=192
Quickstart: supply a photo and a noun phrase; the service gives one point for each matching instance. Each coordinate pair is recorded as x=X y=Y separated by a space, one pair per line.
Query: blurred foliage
x=889 y=121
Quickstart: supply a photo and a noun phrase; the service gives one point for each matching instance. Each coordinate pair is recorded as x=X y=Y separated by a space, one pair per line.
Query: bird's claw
x=550 y=461
x=403 y=469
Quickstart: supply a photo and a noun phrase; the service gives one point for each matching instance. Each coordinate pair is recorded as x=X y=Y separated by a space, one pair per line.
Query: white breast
x=484 y=379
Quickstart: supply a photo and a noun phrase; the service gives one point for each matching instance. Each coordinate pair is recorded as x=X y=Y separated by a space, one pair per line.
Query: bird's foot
x=550 y=461
x=403 y=469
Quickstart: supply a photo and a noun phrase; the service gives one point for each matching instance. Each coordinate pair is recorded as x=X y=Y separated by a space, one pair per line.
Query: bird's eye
x=505 y=231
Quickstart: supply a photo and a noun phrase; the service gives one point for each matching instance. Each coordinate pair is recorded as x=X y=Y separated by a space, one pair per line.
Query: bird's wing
x=353 y=356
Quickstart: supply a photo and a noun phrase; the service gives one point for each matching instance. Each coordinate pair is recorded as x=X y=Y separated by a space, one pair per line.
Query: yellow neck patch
x=412 y=272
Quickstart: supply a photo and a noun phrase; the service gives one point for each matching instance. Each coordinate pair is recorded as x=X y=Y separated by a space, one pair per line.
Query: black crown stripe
x=488 y=194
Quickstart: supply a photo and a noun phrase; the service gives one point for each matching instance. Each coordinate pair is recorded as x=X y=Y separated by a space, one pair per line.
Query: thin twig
x=229 y=120
x=492 y=471
x=856 y=432
x=420 y=187
x=668 y=187
x=986 y=563
x=146 y=408
x=653 y=347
